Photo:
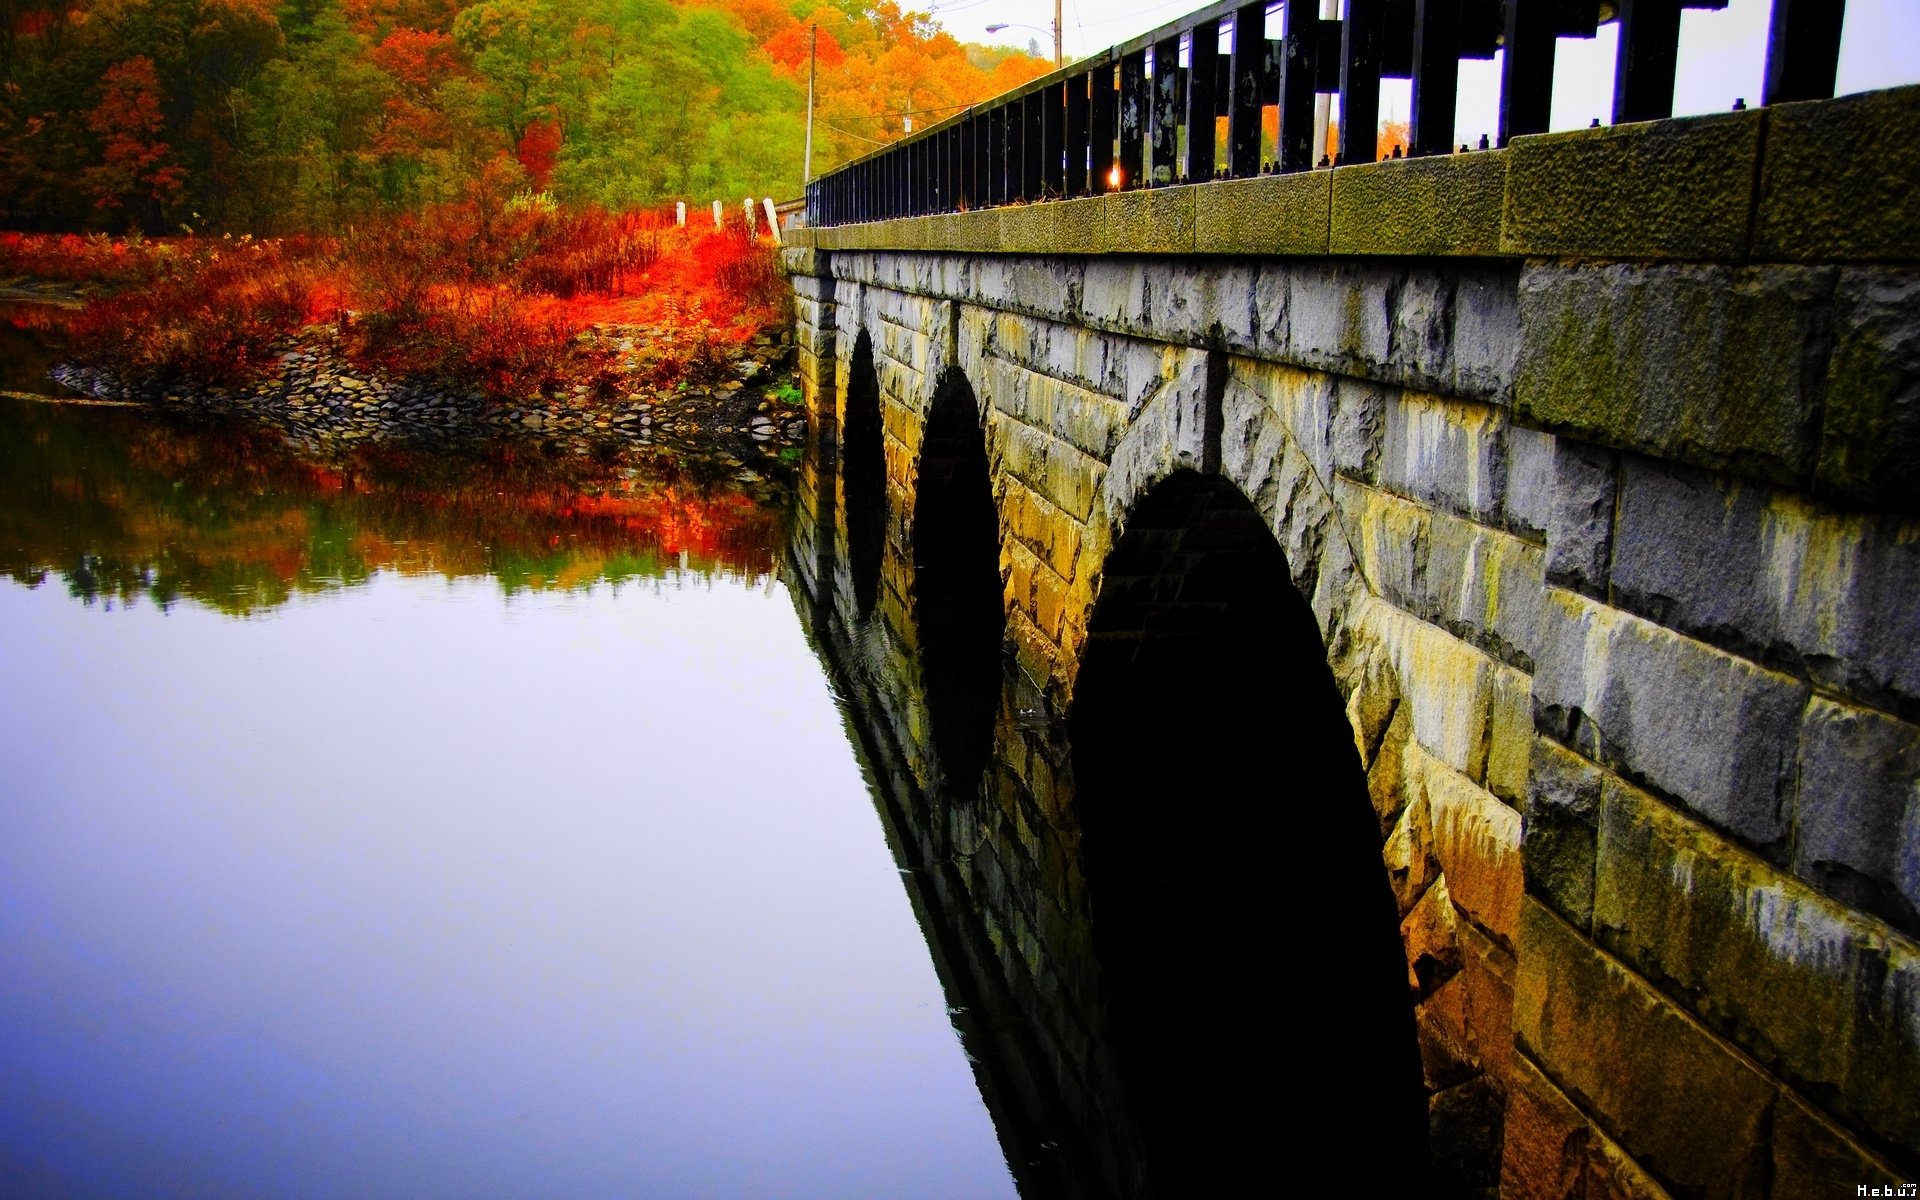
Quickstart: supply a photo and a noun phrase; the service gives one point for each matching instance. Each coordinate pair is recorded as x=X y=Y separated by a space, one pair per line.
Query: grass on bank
x=489 y=293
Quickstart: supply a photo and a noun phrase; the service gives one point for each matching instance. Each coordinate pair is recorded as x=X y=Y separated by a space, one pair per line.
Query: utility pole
x=813 y=49
x=1058 y=61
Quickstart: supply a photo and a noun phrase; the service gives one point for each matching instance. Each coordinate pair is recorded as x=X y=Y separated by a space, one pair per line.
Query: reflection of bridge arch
x=1212 y=761
x=958 y=609
x=863 y=467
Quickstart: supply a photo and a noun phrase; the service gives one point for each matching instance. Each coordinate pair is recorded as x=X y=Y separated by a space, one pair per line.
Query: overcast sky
x=1721 y=53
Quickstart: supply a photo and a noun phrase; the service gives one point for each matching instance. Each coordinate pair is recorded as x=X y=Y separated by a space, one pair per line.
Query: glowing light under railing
x=1113 y=179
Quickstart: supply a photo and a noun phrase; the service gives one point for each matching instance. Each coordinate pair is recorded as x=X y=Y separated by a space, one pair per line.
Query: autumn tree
x=134 y=173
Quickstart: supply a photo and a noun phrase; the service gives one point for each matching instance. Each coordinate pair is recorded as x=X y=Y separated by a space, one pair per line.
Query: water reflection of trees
x=121 y=507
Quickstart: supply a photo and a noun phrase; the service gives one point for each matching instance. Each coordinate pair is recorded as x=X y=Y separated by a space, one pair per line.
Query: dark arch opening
x=1246 y=930
x=863 y=466
x=958 y=611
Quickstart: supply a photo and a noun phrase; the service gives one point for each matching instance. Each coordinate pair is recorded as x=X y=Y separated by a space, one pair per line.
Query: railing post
x=1078 y=145
x=1526 y=68
x=1053 y=165
x=1033 y=119
x=1165 y=132
x=1243 y=109
x=1436 y=76
x=997 y=154
x=1298 y=70
x=1803 y=50
x=1361 y=43
x=1133 y=115
x=1104 y=106
x=1203 y=70
x=1649 y=52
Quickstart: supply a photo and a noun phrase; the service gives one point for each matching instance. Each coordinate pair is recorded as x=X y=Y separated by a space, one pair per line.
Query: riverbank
x=732 y=407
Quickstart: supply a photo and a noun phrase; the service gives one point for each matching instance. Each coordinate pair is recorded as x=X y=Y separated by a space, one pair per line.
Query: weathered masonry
x=1593 y=468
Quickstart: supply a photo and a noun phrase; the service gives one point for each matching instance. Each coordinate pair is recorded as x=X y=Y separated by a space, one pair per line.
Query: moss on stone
x=1838 y=181
x=1446 y=205
x=1274 y=214
x=1657 y=189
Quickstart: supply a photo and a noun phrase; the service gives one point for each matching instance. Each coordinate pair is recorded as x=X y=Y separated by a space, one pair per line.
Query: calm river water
x=420 y=826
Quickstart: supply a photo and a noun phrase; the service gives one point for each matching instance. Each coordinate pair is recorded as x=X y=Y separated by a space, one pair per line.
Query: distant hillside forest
x=163 y=116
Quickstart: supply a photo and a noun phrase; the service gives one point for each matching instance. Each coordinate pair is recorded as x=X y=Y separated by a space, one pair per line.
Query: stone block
x=1447 y=683
x=1870 y=438
x=1448 y=453
x=1720 y=366
x=1431 y=935
x=1339 y=316
x=1193 y=306
x=1155 y=221
x=1561 y=830
x=1510 y=737
x=1072 y=481
x=1113 y=293
x=1476 y=841
x=1304 y=403
x=1768 y=573
x=1359 y=426
x=1485 y=586
x=1386 y=774
x=1473 y=1011
x=1687 y=1106
x=1656 y=189
x=1464 y=1125
x=1813 y=1158
x=1613 y=1175
x=1445 y=205
x=1545 y=1150
x=1820 y=994
x=1859 y=791
x=1268 y=215
x=1486 y=330
x=1408 y=855
x=1713 y=731
x=1837 y=180
x=1530 y=484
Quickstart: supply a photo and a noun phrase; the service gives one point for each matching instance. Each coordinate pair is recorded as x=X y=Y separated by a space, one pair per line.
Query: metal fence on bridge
x=1146 y=113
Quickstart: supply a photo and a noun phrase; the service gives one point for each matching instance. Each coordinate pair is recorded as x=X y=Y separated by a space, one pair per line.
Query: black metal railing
x=1146 y=113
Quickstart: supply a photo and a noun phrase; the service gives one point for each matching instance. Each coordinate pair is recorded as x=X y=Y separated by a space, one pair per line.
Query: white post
x=718 y=221
x=680 y=213
x=1322 y=102
x=748 y=205
x=773 y=222
x=813 y=58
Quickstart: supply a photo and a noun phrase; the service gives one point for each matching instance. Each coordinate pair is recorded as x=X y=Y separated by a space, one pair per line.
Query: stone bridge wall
x=1598 y=461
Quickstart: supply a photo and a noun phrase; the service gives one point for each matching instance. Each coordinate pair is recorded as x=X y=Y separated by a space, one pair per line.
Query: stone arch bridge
x=1460 y=621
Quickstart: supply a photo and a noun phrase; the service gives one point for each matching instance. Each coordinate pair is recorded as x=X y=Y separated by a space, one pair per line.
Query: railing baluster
x=1436 y=75
x=1164 y=135
x=1053 y=163
x=1803 y=50
x=1104 y=102
x=1649 y=52
x=1133 y=116
x=1361 y=43
x=1078 y=144
x=1249 y=64
x=997 y=154
x=1033 y=165
x=1203 y=70
x=1298 y=70
x=1526 y=69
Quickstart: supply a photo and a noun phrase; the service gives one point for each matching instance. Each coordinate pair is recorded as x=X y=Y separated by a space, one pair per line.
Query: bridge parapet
x=1600 y=479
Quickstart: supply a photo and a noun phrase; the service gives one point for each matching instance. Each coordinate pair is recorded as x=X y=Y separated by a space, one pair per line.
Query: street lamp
x=1057 y=59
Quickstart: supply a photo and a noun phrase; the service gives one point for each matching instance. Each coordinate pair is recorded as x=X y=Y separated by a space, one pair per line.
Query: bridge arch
x=959 y=612
x=863 y=471
x=1228 y=843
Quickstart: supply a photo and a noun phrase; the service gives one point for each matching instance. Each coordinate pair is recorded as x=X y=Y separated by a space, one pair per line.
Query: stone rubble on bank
x=314 y=395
